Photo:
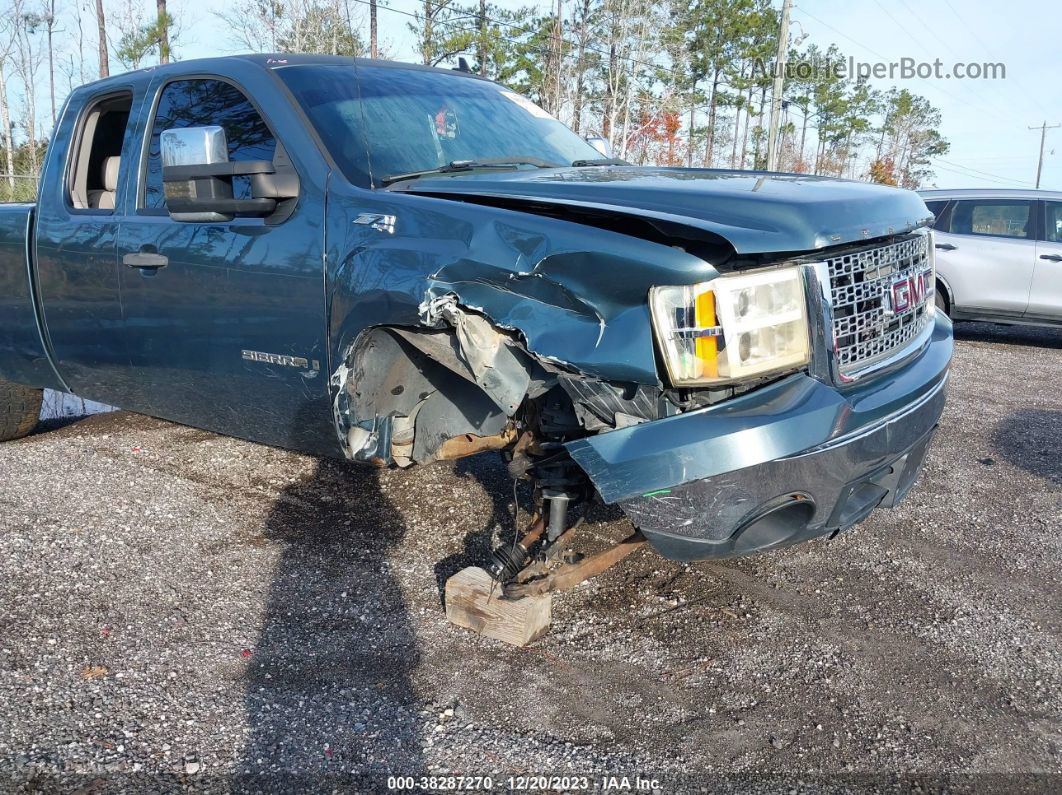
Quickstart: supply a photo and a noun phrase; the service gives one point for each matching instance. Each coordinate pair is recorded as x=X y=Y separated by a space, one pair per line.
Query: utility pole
x=779 y=81
x=1043 y=128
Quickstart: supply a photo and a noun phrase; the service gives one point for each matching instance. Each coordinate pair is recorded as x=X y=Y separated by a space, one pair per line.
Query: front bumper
x=794 y=460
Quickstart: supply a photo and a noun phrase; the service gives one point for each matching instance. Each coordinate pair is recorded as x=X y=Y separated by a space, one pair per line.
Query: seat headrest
x=110 y=172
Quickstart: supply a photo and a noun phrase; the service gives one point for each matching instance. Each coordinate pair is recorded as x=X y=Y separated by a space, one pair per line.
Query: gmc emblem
x=910 y=292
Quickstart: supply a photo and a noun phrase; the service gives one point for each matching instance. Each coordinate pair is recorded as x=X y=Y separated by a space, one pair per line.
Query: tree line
x=667 y=82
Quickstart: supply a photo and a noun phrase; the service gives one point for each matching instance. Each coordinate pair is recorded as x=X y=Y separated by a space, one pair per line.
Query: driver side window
x=199 y=103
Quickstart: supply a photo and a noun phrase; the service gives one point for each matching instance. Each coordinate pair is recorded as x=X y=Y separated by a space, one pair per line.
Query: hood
x=757 y=212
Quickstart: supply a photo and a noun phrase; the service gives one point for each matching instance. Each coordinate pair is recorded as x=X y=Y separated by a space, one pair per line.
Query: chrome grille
x=869 y=323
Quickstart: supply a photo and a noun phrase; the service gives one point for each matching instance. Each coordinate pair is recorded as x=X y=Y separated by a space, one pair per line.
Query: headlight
x=733 y=327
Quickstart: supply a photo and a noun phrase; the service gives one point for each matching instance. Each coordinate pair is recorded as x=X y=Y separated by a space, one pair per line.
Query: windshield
x=387 y=121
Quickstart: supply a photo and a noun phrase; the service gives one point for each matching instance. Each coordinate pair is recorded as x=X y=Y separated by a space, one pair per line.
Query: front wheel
x=20 y=408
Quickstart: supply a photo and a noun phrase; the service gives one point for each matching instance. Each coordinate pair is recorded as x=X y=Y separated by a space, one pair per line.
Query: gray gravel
x=182 y=609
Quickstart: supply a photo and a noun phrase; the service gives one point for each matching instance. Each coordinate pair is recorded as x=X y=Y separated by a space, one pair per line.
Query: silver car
x=999 y=254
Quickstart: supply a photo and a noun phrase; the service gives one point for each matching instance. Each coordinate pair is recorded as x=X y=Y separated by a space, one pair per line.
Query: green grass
x=25 y=190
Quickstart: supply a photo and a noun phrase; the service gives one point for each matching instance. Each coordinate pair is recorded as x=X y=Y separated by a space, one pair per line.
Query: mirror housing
x=601 y=145
x=193 y=147
x=197 y=178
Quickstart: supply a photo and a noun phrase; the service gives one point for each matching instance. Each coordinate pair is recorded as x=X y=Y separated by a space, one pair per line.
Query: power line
x=1030 y=96
x=983 y=173
x=885 y=59
x=967 y=174
x=841 y=34
x=962 y=171
x=940 y=41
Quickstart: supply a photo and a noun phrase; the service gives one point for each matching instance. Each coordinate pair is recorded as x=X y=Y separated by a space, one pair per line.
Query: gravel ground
x=180 y=609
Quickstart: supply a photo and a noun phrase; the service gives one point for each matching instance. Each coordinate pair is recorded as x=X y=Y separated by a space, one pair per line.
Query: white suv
x=999 y=254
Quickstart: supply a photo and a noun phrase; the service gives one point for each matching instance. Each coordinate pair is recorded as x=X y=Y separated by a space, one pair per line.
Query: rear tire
x=20 y=409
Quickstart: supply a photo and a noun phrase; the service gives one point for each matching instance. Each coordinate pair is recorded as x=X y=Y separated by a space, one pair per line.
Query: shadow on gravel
x=328 y=688
x=999 y=333
x=1032 y=440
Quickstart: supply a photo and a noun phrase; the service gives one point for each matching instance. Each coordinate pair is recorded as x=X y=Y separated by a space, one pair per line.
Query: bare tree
x=583 y=35
x=101 y=24
x=374 y=51
x=553 y=81
x=319 y=26
x=134 y=42
x=255 y=25
x=7 y=43
x=49 y=23
x=28 y=59
x=80 y=43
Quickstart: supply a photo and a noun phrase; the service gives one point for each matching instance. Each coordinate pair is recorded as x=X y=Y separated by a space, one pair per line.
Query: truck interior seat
x=104 y=199
x=102 y=134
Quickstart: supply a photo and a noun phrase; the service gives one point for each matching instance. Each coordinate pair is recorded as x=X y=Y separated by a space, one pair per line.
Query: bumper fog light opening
x=774 y=523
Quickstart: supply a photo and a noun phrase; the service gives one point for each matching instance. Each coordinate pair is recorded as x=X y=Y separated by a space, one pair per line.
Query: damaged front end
x=595 y=362
x=458 y=385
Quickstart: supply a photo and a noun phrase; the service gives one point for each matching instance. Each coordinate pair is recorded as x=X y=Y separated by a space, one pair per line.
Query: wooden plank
x=474 y=601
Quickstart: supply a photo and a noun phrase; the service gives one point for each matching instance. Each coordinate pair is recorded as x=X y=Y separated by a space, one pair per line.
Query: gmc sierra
x=398 y=265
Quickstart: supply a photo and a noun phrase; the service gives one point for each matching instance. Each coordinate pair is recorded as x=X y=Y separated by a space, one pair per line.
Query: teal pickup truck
x=398 y=265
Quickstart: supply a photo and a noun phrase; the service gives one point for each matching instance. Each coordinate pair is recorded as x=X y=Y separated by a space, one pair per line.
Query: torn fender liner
x=397 y=404
x=409 y=396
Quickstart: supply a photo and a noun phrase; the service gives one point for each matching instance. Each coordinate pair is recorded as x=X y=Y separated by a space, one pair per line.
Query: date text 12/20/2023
x=530 y=783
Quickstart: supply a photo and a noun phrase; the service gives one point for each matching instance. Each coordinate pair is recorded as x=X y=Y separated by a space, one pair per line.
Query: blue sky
x=986 y=121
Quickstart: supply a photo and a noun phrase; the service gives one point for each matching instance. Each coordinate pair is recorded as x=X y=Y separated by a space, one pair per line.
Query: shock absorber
x=558 y=512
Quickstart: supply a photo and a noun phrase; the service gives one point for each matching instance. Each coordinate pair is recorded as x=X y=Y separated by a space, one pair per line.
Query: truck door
x=1045 y=299
x=225 y=321
x=82 y=200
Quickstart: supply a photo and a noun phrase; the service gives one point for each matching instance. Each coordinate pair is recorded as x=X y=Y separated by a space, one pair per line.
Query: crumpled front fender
x=576 y=295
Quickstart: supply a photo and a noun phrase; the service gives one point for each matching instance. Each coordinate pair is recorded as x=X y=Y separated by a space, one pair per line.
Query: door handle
x=1052 y=257
x=146 y=259
x=946 y=246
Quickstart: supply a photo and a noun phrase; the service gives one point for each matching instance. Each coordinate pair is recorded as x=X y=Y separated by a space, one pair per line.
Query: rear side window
x=200 y=103
x=993 y=217
x=97 y=154
x=937 y=208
